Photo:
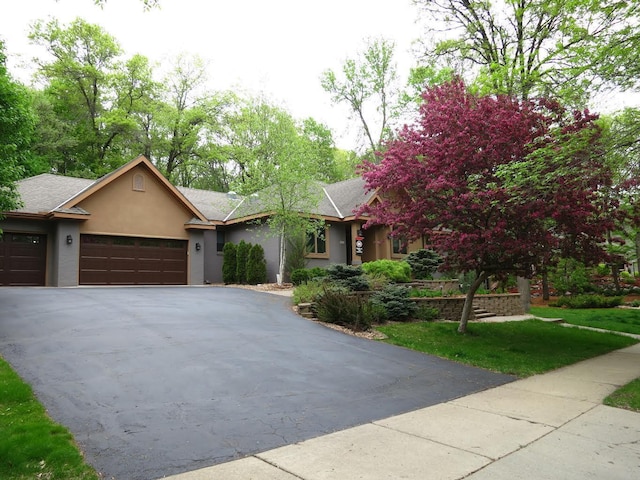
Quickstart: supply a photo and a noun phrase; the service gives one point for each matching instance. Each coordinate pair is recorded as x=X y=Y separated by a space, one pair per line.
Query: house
x=133 y=227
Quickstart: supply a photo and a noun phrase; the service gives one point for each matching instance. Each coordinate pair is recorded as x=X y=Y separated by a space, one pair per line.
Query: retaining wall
x=450 y=308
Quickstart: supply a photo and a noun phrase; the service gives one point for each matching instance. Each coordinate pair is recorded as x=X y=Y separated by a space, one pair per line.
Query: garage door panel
x=108 y=260
x=22 y=259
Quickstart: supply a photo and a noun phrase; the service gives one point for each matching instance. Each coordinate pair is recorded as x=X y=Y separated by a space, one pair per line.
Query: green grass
x=32 y=446
x=627 y=397
x=616 y=319
x=518 y=348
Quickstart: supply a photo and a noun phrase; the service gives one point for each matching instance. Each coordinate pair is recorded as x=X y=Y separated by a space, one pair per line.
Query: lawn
x=616 y=319
x=32 y=446
x=626 y=397
x=518 y=348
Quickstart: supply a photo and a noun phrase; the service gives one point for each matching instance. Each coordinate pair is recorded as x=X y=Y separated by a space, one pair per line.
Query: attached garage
x=110 y=260
x=23 y=259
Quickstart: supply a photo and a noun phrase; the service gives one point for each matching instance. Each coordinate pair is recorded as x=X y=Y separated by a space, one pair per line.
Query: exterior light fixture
x=198 y=246
x=69 y=239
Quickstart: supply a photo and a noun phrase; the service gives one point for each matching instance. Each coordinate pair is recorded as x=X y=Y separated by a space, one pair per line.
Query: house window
x=317 y=243
x=138 y=182
x=398 y=246
x=220 y=241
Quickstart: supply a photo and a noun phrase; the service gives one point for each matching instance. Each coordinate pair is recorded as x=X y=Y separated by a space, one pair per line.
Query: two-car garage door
x=108 y=260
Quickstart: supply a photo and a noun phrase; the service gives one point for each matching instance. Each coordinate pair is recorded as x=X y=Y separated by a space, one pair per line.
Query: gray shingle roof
x=46 y=192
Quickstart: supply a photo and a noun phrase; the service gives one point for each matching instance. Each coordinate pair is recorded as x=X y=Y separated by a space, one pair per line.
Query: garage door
x=106 y=260
x=22 y=259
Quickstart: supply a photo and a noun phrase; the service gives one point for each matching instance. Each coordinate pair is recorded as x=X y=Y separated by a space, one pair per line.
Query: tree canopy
x=496 y=184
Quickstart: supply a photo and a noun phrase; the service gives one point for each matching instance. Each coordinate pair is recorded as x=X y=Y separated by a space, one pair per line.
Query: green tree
x=534 y=47
x=242 y=255
x=16 y=128
x=368 y=81
x=256 y=265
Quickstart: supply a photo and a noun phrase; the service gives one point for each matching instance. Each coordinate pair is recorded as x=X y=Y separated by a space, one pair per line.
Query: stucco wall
x=257 y=234
x=66 y=257
x=118 y=209
x=196 y=257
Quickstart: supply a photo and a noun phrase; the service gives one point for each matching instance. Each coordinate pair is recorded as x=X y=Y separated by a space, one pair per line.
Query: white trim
x=332 y=203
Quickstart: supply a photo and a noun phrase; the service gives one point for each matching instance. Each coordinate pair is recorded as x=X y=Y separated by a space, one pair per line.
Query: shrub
x=296 y=254
x=423 y=263
x=570 y=276
x=340 y=307
x=396 y=302
x=299 y=276
x=425 y=293
x=242 y=254
x=425 y=313
x=317 y=272
x=635 y=303
x=348 y=276
x=307 y=292
x=229 y=265
x=395 y=271
x=588 y=301
x=626 y=277
x=256 y=266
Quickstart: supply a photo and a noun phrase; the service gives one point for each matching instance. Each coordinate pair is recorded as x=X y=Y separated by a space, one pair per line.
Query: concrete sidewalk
x=550 y=426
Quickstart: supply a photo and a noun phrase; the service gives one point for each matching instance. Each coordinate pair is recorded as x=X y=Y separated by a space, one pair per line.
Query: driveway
x=158 y=381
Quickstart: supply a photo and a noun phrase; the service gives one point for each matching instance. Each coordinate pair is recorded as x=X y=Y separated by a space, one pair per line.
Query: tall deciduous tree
x=16 y=127
x=535 y=47
x=366 y=83
x=495 y=184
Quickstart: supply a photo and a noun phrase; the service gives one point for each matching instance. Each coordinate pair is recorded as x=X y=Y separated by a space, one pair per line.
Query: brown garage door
x=22 y=259
x=106 y=260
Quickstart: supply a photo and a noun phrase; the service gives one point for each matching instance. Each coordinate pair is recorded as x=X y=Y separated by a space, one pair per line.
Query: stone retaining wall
x=450 y=308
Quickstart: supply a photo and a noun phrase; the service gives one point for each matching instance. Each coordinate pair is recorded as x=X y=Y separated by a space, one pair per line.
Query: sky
x=276 y=48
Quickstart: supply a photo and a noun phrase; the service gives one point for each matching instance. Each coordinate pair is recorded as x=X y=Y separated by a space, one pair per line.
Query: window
x=220 y=241
x=317 y=243
x=138 y=182
x=398 y=246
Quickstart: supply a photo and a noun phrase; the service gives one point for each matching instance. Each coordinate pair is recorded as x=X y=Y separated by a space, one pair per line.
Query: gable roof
x=50 y=195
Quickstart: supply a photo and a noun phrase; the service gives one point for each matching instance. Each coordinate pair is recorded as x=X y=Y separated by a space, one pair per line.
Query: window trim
x=315 y=238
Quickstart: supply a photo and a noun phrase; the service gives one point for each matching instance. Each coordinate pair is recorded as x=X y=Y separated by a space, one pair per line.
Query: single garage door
x=22 y=259
x=107 y=260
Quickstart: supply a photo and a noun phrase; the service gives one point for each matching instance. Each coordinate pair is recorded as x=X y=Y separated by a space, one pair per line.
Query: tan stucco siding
x=118 y=209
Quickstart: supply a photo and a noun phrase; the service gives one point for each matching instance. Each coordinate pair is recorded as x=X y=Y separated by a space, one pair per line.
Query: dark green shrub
x=395 y=271
x=242 y=254
x=296 y=258
x=340 y=307
x=229 y=264
x=571 y=276
x=256 y=266
x=317 y=272
x=425 y=313
x=299 y=276
x=396 y=302
x=588 y=301
x=348 y=276
x=425 y=293
x=423 y=263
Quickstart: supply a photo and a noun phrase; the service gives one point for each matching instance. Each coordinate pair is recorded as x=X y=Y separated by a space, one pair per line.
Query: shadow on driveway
x=159 y=381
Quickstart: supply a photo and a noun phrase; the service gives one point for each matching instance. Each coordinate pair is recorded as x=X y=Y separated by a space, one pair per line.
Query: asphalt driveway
x=158 y=381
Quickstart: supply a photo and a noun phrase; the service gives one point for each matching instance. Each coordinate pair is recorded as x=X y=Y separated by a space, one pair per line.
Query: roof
x=48 y=193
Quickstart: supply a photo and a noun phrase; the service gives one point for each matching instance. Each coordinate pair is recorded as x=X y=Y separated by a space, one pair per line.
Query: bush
x=396 y=302
x=425 y=293
x=340 y=307
x=626 y=277
x=423 y=263
x=307 y=292
x=242 y=254
x=348 y=276
x=425 y=313
x=588 y=301
x=256 y=266
x=317 y=272
x=570 y=276
x=395 y=271
x=299 y=276
x=229 y=265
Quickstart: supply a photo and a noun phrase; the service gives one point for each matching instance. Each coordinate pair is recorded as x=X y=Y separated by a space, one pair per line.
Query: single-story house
x=133 y=227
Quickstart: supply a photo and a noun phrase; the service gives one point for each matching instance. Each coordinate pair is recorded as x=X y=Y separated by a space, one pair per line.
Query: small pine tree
x=229 y=263
x=242 y=253
x=256 y=266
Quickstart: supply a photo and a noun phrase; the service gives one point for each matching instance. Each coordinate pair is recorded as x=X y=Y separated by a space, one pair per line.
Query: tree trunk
x=525 y=293
x=468 y=302
x=545 y=286
x=615 y=273
x=283 y=256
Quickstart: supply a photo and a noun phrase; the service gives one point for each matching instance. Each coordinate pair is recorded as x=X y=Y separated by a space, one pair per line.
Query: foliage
x=396 y=271
x=242 y=255
x=296 y=255
x=425 y=313
x=395 y=302
x=308 y=292
x=587 y=301
x=615 y=319
x=369 y=79
x=518 y=348
x=494 y=184
x=423 y=263
x=229 y=263
x=31 y=444
x=532 y=48
x=256 y=265
x=571 y=276
x=348 y=276
x=627 y=397
x=341 y=307
x=425 y=293
x=16 y=127
x=304 y=275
